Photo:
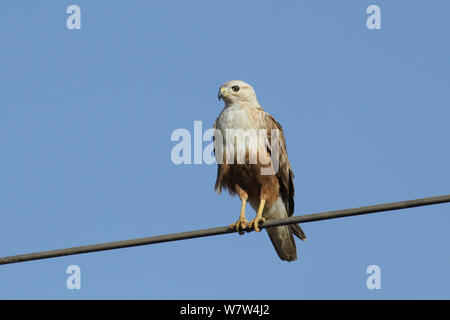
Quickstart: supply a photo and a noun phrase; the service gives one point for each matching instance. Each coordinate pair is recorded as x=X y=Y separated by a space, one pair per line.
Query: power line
x=224 y=230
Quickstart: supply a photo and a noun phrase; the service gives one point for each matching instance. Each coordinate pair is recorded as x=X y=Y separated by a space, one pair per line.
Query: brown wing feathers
x=285 y=175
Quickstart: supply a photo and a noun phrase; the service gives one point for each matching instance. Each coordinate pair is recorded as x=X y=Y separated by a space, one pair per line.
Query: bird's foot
x=255 y=223
x=240 y=225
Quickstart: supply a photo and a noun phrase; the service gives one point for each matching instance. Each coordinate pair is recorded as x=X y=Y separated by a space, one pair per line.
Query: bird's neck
x=242 y=105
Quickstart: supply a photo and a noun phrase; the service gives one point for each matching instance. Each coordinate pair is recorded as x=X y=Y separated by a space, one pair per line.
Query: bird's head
x=237 y=92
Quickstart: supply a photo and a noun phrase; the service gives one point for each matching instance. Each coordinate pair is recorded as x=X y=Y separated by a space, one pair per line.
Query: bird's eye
x=235 y=88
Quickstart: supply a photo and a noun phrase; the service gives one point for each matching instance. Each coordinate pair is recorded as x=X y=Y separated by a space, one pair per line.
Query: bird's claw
x=240 y=225
x=255 y=223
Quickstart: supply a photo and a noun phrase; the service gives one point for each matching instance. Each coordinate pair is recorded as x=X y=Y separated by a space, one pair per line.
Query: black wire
x=224 y=230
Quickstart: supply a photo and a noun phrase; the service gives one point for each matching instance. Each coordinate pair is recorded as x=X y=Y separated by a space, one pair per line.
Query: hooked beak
x=223 y=92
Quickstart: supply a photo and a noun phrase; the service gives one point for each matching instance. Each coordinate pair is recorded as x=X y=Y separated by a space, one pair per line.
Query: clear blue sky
x=86 y=118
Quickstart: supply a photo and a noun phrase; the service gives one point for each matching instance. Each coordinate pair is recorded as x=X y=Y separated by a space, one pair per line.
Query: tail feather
x=282 y=237
x=283 y=241
x=297 y=230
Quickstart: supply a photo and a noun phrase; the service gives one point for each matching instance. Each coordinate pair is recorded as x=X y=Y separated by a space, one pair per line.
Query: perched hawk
x=270 y=194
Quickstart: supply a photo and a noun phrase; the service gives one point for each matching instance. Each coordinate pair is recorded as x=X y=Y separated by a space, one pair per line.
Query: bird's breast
x=235 y=118
x=240 y=135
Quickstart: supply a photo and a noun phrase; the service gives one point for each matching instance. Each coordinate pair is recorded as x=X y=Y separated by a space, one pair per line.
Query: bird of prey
x=270 y=193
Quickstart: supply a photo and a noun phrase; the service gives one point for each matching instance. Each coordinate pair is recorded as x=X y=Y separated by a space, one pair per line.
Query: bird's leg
x=242 y=222
x=254 y=224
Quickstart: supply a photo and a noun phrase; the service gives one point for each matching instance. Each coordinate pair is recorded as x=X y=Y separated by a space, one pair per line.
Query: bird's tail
x=282 y=237
x=297 y=230
x=283 y=241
